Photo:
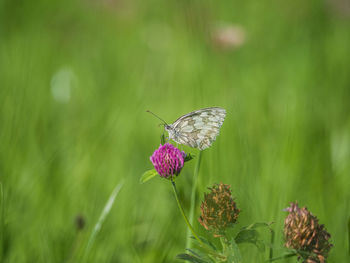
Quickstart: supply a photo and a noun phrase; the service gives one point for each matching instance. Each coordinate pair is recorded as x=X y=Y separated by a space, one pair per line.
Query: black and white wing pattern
x=198 y=129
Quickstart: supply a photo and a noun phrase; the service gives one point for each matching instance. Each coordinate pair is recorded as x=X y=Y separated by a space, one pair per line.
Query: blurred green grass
x=286 y=136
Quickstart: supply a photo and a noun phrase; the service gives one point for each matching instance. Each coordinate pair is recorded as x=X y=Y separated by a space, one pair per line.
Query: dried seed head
x=218 y=210
x=303 y=232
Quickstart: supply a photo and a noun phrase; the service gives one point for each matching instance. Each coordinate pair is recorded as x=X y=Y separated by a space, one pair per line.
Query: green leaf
x=191 y=258
x=288 y=252
x=205 y=241
x=189 y=157
x=148 y=175
x=233 y=253
x=194 y=252
x=282 y=257
x=260 y=245
x=257 y=225
x=246 y=235
x=200 y=254
x=207 y=252
x=250 y=236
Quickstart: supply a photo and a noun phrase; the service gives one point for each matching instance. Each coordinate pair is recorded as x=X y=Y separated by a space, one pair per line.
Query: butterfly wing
x=198 y=129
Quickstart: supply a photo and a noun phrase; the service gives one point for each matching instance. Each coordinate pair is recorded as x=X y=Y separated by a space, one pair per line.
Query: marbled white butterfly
x=197 y=129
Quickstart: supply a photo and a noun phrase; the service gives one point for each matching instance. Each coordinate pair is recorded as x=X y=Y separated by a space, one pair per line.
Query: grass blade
x=101 y=219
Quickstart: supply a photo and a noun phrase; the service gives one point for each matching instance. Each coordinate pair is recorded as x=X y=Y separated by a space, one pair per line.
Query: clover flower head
x=218 y=210
x=168 y=160
x=303 y=233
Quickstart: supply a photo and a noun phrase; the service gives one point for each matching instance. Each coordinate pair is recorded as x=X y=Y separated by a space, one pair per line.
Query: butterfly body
x=197 y=129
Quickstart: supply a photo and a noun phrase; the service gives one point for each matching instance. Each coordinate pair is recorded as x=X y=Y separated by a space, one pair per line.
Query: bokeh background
x=76 y=78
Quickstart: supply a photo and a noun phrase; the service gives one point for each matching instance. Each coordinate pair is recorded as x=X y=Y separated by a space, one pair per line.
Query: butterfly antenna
x=157 y=116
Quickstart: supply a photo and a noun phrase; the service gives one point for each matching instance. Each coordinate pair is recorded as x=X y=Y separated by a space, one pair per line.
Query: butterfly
x=197 y=129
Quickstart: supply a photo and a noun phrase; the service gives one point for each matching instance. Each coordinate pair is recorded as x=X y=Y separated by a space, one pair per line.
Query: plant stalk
x=193 y=196
x=272 y=241
x=349 y=234
x=209 y=251
x=223 y=242
x=183 y=214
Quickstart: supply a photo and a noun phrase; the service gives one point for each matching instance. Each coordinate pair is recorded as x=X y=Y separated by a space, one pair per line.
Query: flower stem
x=223 y=242
x=184 y=216
x=193 y=195
x=272 y=241
x=349 y=234
x=204 y=247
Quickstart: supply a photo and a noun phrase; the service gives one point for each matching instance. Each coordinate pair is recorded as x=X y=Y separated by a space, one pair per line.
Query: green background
x=76 y=78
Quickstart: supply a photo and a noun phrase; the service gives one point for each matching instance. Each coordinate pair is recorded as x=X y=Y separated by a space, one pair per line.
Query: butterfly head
x=170 y=129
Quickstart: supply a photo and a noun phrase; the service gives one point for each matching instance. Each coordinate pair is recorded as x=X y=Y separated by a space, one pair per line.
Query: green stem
x=183 y=214
x=193 y=195
x=223 y=242
x=272 y=242
x=2 y=221
x=209 y=251
x=349 y=234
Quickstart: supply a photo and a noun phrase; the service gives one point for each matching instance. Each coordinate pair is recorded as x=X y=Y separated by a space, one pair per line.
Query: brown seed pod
x=303 y=232
x=218 y=209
